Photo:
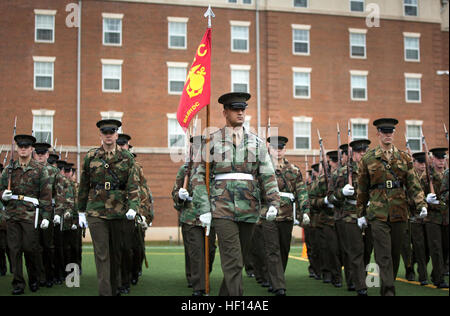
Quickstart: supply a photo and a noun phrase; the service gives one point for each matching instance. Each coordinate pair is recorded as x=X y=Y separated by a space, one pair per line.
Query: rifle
x=54 y=147
x=446 y=136
x=11 y=161
x=339 y=145
x=427 y=163
x=350 y=156
x=408 y=148
x=306 y=169
x=323 y=159
x=67 y=152
x=6 y=157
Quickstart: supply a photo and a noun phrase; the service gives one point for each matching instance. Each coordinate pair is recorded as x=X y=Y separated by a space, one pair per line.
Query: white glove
x=7 y=195
x=57 y=220
x=74 y=227
x=44 y=224
x=206 y=221
x=143 y=222
x=423 y=213
x=82 y=220
x=183 y=194
x=306 y=219
x=348 y=190
x=329 y=205
x=131 y=214
x=271 y=213
x=432 y=199
x=362 y=222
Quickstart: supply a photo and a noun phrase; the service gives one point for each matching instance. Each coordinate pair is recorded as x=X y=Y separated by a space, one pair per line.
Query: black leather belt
x=107 y=186
x=389 y=184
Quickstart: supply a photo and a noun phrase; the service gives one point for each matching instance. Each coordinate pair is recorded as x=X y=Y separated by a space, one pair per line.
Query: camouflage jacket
x=145 y=195
x=444 y=195
x=437 y=214
x=66 y=203
x=108 y=187
x=387 y=204
x=237 y=200
x=55 y=178
x=32 y=181
x=313 y=214
x=345 y=204
x=412 y=206
x=187 y=212
x=317 y=196
x=290 y=180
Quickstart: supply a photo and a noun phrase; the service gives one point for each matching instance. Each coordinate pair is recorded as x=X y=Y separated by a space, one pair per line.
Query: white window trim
x=171 y=64
x=411 y=35
x=358 y=31
x=301 y=27
x=115 y=16
x=176 y=20
x=172 y=116
x=44 y=12
x=359 y=121
x=359 y=73
x=350 y=6
x=44 y=112
x=43 y=59
x=410 y=5
x=413 y=76
x=301 y=119
x=414 y=123
x=301 y=70
x=240 y=68
x=116 y=62
x=112 y=114
x=244 y=24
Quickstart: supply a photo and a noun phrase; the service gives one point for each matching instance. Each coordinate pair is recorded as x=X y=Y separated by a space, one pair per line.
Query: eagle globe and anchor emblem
x=196 y=76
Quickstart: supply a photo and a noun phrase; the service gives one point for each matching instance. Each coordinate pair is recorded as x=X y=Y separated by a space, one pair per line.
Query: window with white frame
x=412 y=46
x=112 y=29
x=247 y=1
x=358 y=44
x=45 y=26
x=302 y=82
x=232 y=1
x=300 y=3
x=300 y=39
x=177 y=32
x=247 y=125
x=240 y=78
x=359 y=85
x=111 y=75
x=176 y=73
x=43 y=126
x=357 y=5
x=112 y=115
x=240 y=36
x=411 y=7
x=414 y=136
x=413 y=91
x=43 y=73
x=176 y=135
x=360 y=131
x=302 y=133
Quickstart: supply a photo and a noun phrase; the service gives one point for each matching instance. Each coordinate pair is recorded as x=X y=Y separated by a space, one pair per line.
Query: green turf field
x=165 y=276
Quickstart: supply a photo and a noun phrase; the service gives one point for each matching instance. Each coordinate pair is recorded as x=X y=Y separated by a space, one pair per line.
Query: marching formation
x=239 y=190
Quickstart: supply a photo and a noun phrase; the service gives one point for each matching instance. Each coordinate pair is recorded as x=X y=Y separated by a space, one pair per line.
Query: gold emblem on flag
x=196 y=79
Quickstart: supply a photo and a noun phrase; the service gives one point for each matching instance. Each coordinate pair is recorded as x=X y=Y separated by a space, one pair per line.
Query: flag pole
x=208 y=14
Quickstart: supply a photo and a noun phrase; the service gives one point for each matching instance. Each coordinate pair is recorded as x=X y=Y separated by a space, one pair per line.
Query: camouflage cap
x=123 y=139
x=25 y=140
x=109 y=125
x=360 y=144
x=439 y=153
x=385 y=125
x=235 y=100
x=41 y=148
x=277 y=141
x=419 y=157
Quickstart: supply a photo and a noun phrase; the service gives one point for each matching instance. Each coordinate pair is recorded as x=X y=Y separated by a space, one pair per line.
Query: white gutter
x=258 y=72
x=78 y=90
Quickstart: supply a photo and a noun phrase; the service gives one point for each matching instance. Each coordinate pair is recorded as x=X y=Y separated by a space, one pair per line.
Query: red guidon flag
x=197 y=88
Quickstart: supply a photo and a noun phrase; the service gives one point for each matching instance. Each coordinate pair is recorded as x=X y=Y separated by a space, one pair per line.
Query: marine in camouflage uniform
x=437 y=217
x=444 y=197
x=383 y=175
x=192 y=228
x=418 y=235
x=343 y=195
x=278 y=233
x=240 y=169
x=30 y=183
x=332 y=266
x=3 y=244
x=109 y=194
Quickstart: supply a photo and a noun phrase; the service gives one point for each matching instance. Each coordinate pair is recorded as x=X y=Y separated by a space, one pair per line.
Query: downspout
x=78 y=90
x=258 y=72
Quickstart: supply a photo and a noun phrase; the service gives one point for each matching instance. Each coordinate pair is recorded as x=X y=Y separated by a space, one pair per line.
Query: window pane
x=411 y=43
x=239 y=44
x=410 y=11
x=357 y=6
x=240 y=32
x=177 y=41
x=359 y=93
x=301 y=91
x=413 y=131
x=112 y=71
x=412 y=54
x=358 y=39
x=247 y=1
x=358 y=51
x=412 y=83
x=301 y=47
x=43 y=82
x=240 y=87
x=301 y=35
x=112 y=38
x=302 y=129
x=44 y=35
x=112 y=84
x=413 y=96
x=301 y=143
x=301 y=3
x=176 y=86
x=176 y=134
x=112 y=25
x=359 y=131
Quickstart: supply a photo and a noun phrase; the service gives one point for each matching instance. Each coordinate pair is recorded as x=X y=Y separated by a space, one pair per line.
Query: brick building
x=308 y=65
